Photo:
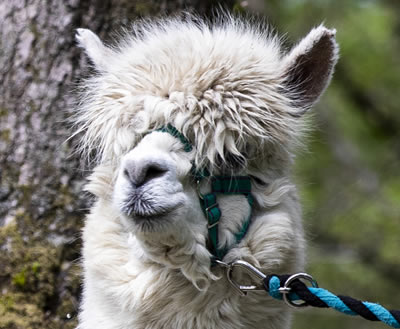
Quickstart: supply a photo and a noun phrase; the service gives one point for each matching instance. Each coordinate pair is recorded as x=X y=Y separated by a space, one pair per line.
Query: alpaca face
x=241 y=100
x=228 y=88
x=154 y=191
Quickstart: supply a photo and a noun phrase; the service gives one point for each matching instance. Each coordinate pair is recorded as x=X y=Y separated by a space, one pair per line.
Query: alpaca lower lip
x=151 y=223
x=144 y=206
x=140 y=215
x=140 y=218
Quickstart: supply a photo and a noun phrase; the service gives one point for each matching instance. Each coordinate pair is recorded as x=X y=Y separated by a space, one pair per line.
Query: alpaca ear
x=94 y=48
x=309 y=66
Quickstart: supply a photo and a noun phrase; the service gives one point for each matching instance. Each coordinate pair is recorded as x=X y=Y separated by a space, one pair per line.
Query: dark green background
x=350 y=177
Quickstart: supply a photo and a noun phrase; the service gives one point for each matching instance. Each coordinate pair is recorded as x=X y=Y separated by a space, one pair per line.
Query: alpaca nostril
x=141 y=173
x=151 y=172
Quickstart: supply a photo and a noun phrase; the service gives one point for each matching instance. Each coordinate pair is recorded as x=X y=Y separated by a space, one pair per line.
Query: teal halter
x=227 y=185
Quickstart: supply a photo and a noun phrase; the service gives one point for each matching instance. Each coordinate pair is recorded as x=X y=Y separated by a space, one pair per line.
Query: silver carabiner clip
x=198 y=189
x=254 y=272
x=285 y=290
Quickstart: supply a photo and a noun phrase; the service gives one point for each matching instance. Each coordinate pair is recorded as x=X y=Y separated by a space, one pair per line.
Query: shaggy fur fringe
x=220 y=84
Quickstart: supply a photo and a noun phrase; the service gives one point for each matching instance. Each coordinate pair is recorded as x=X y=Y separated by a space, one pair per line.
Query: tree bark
x=41 y=179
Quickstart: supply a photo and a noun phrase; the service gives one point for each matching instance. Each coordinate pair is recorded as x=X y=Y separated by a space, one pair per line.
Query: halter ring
x=285 y=290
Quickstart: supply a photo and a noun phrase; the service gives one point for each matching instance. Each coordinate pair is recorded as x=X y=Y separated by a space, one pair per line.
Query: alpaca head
x=229 y=89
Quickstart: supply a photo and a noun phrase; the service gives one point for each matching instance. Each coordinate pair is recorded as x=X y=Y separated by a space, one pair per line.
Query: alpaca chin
x=180 y=251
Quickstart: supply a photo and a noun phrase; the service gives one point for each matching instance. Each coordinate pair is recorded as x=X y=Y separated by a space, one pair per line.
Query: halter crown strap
x=228 y=185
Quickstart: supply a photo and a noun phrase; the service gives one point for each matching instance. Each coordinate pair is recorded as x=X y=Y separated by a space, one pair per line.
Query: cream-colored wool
x=240 y=99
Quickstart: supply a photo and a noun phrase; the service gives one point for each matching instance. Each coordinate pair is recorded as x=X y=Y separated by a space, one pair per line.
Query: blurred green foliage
x=350 y=177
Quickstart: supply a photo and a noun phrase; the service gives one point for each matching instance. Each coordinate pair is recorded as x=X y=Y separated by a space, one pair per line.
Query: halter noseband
x=227 y=185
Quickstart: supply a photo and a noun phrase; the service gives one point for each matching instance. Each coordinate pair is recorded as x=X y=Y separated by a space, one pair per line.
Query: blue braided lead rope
x=319 y=297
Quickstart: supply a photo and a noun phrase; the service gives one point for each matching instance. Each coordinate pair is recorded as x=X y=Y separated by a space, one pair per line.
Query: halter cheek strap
x=226 y=185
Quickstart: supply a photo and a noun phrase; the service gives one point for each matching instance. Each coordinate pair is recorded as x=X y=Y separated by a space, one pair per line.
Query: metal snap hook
x=198 y=189
x=254 y=272
x=221 y=263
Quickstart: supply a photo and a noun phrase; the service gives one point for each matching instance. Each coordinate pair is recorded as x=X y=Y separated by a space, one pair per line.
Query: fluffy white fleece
x=232 y=91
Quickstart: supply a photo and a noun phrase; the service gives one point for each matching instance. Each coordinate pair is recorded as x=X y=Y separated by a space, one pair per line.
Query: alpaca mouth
x=140 y=213
x=151 y=215
x=146 y=209
x=156 y=218
x=150 y=221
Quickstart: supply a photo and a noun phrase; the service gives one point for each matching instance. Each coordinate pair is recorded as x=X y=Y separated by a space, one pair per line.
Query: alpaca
x=178 y=96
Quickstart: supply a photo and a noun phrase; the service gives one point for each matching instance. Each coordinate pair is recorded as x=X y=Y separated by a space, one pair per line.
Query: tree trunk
x=41 y=199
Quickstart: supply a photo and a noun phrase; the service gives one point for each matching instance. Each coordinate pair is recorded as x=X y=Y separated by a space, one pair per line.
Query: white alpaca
x=231 y=91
